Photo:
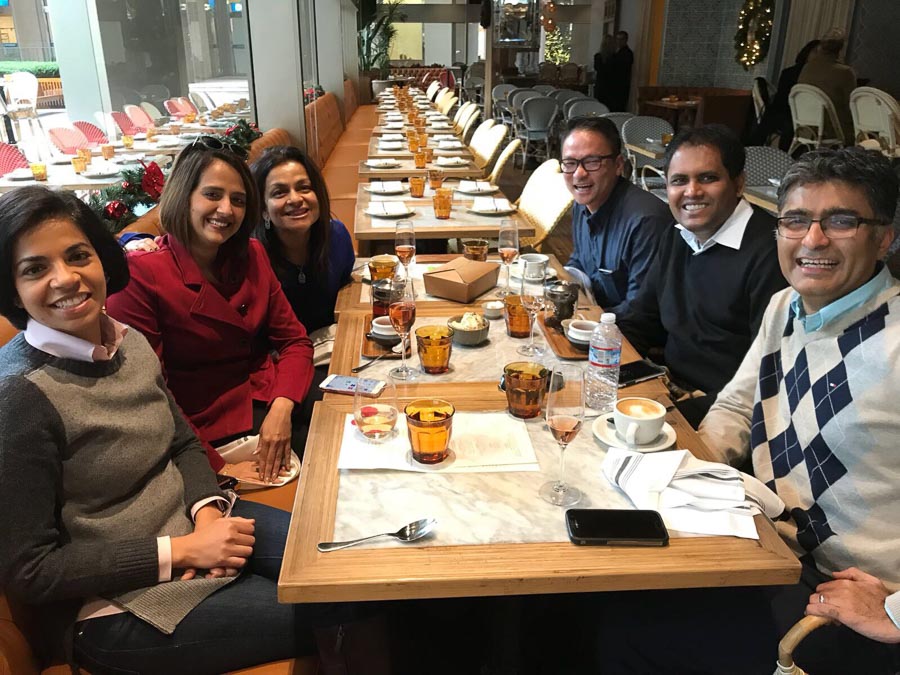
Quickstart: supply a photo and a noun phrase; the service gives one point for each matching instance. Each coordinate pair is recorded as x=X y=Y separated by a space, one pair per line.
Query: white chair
x=618 y=118
x=812 y=111
x=480 y=132
x=536 y=124
x=462 y=114
x=488 y=148
x=876 y=115
x=544 y=201
x=498 y=100
x=764 y=163
x=446 y=105
x=636 y=131
x=152 y=110
x=441 y=96
x=585 y=107
x=466 y=132
x=22 y=93
x=433 y=88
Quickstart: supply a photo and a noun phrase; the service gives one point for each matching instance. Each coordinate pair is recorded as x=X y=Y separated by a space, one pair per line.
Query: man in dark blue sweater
x=703 y=298
x=616 y=226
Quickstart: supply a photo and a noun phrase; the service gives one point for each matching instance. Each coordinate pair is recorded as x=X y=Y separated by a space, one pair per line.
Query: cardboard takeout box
x=461 y=280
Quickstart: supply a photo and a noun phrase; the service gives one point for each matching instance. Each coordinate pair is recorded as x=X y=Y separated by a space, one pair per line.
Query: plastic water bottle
x=602 y=377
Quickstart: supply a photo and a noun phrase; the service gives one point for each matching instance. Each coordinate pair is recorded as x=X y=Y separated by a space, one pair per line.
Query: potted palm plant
x=376 y=34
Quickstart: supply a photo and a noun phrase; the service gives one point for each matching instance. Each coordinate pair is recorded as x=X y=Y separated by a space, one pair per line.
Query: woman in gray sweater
x=122 y=543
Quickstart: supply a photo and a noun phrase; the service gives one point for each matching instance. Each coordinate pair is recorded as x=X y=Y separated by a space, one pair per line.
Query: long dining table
x=495 y=535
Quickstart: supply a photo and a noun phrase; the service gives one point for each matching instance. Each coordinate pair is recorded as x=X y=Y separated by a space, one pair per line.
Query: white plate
x=101 y=173
x=370 y=188
x=607 y=435
x=20 y=174
x=382 y=163
x=61 y=160
x=515 y=272
x=394 y=125
x=489 y=191
x=451 y=161
x=501 y=212
x=380 y=214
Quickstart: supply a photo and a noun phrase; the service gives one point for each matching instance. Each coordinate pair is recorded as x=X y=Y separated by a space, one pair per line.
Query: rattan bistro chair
x=544 y=201
x=536 y=126
x=502 y=160
x=811 y=112
x=765 y=163
x=637 y=130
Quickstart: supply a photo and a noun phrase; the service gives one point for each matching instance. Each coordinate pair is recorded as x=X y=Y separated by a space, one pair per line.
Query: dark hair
x=175 y=203
x=717 y=136
x=599 y=125
x=865 y=170
x=26 y=208
x=803 y=54
x=622 y=33
x=319 y=233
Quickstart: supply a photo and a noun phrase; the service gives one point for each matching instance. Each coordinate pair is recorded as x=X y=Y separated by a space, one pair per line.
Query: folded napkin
x=440 y=125
x=444 y=137
x=488 y=204
x=386 y=186
x=392 y=137
x=377 y=208
x=390 y=145
x=475 y=186
x=450 y=161
x=690 y=494
x=480 y=443
x=449 y=145
x=381 y=163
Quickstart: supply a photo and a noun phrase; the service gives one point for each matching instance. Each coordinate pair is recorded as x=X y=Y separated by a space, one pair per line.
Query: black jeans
x=238 y=626
x=725 y=630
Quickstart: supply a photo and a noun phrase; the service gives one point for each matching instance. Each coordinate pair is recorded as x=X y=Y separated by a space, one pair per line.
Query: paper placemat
x=480 y=443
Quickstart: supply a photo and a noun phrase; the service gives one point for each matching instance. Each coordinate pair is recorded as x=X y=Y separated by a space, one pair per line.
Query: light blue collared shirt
x=836 y=309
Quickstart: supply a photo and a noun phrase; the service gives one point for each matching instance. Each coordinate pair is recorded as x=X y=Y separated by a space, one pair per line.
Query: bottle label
x=605 y=357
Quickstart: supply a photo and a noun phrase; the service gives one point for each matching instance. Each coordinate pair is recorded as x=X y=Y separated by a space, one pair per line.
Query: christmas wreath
x=754 y=33
x=116 y=204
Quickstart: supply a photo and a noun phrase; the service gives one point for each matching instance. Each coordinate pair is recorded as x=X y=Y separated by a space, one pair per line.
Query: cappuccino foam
x=640 y=408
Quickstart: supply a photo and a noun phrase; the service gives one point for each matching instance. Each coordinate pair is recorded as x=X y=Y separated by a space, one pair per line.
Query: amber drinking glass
x=107 y=151
x=518 y=321
x=475 y=249
x=435 y=344
x=417 y=186
x=443 y=203
x=420 y=158
x=39 y=171
x=429 y=422
x=436 y=180
x=382 y=267
x=526 y=384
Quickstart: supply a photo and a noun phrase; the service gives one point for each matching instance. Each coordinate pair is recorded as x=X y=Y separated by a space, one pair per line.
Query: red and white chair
x=174 y=108
x=123 y=121
x=187 y=105
x=94 y=133
x=68 y=140
x=138 y=116
x=11 y=159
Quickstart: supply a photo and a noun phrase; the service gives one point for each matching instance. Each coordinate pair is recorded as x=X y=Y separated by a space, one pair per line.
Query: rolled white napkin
x=392 y=137
x=380 y=208
x=488 y=204
x=690 y=494
x=473 y=186
x=449 y=145
x=386 y=186
x=390 y=145
x=450 y=161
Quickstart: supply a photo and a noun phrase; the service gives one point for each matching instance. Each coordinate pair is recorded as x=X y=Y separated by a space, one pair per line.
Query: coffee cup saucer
x=605 y=432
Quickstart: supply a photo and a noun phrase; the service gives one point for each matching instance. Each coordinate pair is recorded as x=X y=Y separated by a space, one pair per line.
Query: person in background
x=214 y=312
x=616 y=226
x=123 y=546
x=777 y=116
x=620 y=73
x=602 y=73
x=814 y=405
x=703 y=298
x=825 y=71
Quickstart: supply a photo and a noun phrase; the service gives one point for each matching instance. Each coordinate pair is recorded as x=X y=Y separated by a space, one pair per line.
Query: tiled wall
x=874 y=50
x=698 y=48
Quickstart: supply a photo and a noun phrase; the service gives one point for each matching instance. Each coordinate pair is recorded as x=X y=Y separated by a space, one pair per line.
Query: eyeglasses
x=591 y=163
x=216 y=143
x=837 y=226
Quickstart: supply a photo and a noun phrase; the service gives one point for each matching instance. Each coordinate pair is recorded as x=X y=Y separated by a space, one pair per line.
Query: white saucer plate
x=493 y=212
x=20 y=174
x=382 y=164
x=606 y=434
x=381 y=214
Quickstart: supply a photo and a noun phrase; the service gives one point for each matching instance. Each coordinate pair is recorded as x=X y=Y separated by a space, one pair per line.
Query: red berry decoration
x=368 y=411
x=115 y=210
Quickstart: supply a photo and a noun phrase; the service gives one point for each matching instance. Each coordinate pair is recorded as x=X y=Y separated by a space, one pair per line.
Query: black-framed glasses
x=590 y=163
x=218 y=143
x=835 y=226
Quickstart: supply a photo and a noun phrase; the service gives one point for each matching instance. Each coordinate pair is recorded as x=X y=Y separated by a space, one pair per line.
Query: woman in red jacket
x=234 y=354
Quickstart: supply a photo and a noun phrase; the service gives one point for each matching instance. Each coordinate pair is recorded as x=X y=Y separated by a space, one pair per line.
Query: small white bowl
x=580 y=329
x=493 y=309
x=382 y=326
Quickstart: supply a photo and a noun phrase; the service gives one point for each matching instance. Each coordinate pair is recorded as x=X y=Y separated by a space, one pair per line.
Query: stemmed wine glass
x=403 y=315
x=533 y=301
x=508 y=248
x=405 y=243
x=565 y=417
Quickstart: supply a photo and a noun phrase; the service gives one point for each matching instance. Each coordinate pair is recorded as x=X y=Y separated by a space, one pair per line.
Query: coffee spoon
x=411 y=532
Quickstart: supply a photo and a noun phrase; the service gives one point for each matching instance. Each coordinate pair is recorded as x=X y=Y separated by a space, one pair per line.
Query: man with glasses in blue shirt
x=616 y=226
x=814 y=404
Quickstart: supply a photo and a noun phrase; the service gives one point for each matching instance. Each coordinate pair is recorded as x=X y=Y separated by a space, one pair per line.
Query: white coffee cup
x=639 y=421
x=534 y=266
x=382 y=325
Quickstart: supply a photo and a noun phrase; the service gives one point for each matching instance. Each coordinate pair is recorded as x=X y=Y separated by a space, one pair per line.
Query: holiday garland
x=142 y=186
x=754 y=33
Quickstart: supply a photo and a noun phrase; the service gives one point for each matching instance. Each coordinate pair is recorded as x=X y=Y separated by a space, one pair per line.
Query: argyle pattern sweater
x=819 y=413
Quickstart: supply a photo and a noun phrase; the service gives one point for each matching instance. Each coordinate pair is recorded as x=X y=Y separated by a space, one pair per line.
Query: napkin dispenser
x=461 y=280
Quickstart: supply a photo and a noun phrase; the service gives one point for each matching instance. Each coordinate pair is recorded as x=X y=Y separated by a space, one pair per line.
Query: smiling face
x=218 y=204
x=59 y=278
x=290 y=201
x=820 y=269
x=701 y=194
x=591 y=188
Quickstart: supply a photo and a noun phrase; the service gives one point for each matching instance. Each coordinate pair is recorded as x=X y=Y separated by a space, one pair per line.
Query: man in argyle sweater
x=815 y=404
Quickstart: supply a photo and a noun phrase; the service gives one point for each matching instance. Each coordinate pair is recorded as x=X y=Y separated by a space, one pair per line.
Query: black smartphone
x=616 y=527
x=638 y=371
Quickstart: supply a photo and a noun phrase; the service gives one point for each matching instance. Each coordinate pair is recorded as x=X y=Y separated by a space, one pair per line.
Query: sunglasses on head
x=217 y=143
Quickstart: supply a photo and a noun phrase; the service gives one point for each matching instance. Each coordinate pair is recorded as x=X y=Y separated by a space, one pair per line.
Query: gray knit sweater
x=96 y=462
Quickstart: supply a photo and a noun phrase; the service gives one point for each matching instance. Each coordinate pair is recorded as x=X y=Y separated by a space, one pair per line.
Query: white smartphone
x=345 y=384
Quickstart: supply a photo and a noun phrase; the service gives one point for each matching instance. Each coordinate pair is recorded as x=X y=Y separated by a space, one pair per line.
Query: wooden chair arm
x=794 y=637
